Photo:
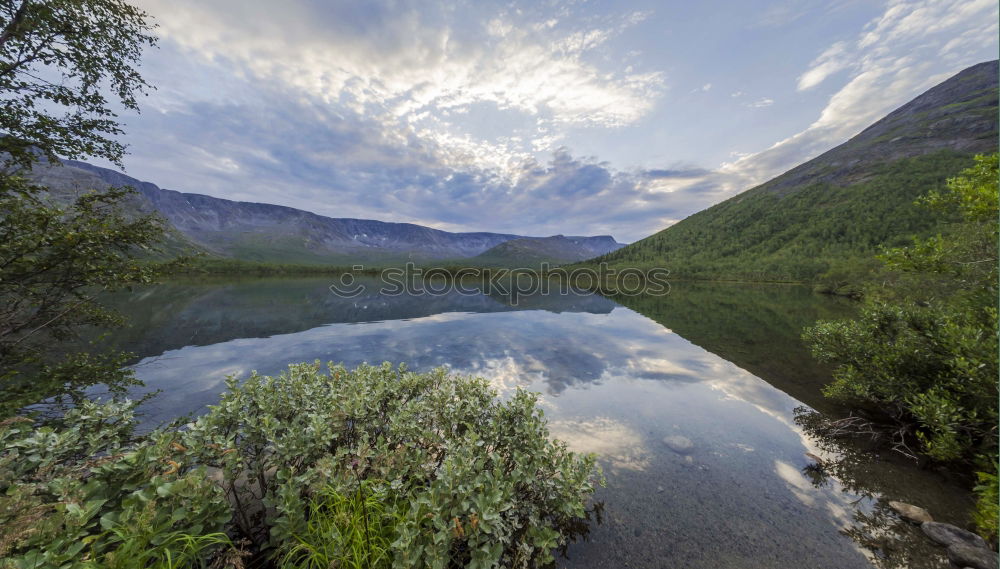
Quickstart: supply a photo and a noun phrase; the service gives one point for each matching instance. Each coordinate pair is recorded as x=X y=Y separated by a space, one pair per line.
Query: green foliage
x=811 y=233
x=352 y=530
x=55 y=260
x=58 y=60
x=931 y=369
x=86 y=496
x=846 y=277
x=216 y=266
x=477 y=480
x=360 y=468
x=923 y=352
x=987 y=514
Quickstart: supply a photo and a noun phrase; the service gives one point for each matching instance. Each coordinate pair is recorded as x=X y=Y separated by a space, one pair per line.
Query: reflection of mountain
x=756 y=327
x=183 y=313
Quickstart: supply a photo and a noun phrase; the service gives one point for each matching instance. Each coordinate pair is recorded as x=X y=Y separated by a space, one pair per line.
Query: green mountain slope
x=841 y=206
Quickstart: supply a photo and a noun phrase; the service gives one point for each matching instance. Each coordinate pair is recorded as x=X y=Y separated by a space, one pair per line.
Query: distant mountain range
x=840 y=207
x=557 y=249
x=272 y=233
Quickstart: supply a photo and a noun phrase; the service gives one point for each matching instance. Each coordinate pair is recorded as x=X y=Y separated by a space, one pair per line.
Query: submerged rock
x=679 y=444
x=819 y=461
x=965 y=555
x=911 y=513
x=948 y=535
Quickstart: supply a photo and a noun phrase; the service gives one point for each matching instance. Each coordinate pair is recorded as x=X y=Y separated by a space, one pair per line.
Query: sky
x=536 y=118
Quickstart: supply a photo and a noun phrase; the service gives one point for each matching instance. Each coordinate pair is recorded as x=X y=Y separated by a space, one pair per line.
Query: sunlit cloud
x=473 y=117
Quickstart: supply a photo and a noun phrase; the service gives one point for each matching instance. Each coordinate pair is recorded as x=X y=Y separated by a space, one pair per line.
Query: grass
x=174 y=550
x=350 y=531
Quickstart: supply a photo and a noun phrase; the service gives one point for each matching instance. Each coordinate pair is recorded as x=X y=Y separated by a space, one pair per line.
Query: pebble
x=965 y=555
x=911 y=513
x=948 y=535
x=679 y=444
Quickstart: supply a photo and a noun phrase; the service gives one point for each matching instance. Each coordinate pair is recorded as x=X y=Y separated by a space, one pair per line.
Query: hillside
x=558 y=249
x=271 y=233
x=840 y=207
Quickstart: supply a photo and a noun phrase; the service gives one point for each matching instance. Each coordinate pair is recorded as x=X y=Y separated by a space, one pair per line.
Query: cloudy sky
x=538 y=118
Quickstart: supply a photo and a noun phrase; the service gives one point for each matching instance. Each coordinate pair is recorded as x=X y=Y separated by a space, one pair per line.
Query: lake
x=691 y=401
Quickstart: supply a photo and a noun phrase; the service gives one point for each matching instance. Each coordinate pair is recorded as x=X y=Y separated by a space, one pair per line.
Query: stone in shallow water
x=965 y=555
x=819 y=461
x=948 y=535
x=911 y=513
x=679 y=444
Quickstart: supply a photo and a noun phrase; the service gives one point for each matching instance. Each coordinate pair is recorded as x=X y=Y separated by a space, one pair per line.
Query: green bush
x=931 y=370
x=987 y=512
x=87 y=496
x=355 y=468
x=477 y=480
x=922 y=355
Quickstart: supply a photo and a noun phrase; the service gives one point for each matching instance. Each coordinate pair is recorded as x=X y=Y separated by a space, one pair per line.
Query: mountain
x=272 y=233
x=840 y=207
x=556 y=250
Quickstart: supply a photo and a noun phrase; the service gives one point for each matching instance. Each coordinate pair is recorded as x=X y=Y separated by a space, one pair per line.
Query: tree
x=55 y=262
x=58 y=61
x=922 y=357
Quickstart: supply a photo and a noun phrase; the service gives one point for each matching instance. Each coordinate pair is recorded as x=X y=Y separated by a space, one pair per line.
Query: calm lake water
x=689 y=400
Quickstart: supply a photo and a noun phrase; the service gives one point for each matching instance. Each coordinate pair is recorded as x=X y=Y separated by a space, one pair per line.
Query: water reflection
x=204 y=312
x=706 y=464
x=873 y=474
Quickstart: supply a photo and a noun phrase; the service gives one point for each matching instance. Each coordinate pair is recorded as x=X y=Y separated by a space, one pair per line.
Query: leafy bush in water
x=473 y=480
x=369 y=467
x=931 y=370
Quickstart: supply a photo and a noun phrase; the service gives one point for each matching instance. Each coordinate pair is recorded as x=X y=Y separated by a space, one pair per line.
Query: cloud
x=760 y=103
x=682 y=173
x=334 y=162
x=409 y=64
x=465 y=117
x=834 y=59
x=908 y=49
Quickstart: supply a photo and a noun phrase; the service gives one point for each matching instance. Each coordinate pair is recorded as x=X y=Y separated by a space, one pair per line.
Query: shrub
x=923 y=352
x=86 y=496
x=355 y=468
x=476 y=480
x=930 y=370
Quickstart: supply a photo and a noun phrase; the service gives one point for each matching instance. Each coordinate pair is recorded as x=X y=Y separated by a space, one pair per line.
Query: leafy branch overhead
x=66 y=67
